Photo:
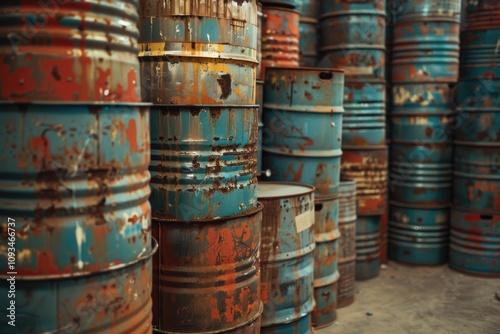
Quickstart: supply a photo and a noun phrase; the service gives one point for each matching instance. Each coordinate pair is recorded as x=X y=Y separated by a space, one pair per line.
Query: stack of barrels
x=302 y=143
x=352 y=37
x=198 y=63
x=475 y=215
x=74 y=177
x=424 y=73
x=280 y=34
x=308 y=31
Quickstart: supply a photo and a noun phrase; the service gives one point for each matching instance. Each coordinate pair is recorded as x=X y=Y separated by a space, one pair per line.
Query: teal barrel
x=287 y=256
x=207 y=275
x=198 y=52
x=303 y=126
x=203 y=161
x=326 y=275
x=347 y=244
x=475 y=242
x=367 y=247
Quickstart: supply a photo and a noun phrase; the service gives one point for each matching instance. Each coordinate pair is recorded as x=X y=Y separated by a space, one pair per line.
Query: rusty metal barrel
x=419 y=234
x=287 y=257
x=198 y=52
x=475 y=242
x=347 y=244
x=303 y=126
x=326 y=275
x=89 y=56
x=280 y=38
x=367 y=247
x=207 y=275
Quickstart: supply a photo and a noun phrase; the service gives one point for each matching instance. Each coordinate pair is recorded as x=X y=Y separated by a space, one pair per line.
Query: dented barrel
x=287 y=256
x=347 y=244
x=72 y=51
x=303 y=126
x=198 y=52
x=207 y=274
x=203 y=161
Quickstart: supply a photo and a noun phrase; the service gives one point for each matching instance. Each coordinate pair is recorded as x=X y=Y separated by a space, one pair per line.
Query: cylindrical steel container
x=326 y=236
x=303 y=126
x=475 y=254
x=286 y=254
x=433 y=127
x=207 y=274
x=364 y=91
x=69 y=51
x=75 y=180
x=364 y=124
x=308 y=31
x=421 y=184
x=280 y=3
x=477 y=176
x=413 y=245
x=368 y=167
x=421 y=97
x=116 y=299
x=347 y=243
x=260 y=102
x=198 y=52
x=280 y=38
x=203 y=161
x=408 y=10
x=367 y=247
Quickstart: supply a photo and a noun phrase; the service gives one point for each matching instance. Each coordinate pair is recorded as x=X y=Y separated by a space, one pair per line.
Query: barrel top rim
x=275 y=190
x=316 y=69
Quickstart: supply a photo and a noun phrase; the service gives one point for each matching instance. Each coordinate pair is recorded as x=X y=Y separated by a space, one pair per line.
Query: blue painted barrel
x=411 y=9
x=347 y=243
x=415 y=245
x=203 y=161
x=477 y=176
x=421 y=97
x=364 y=91
x=431 y=127
x=326 y=276
x=287 y=256
x=308 y=45
x=423 y=184
x=426 y=51
x=364 y=124
x=303 y=126
x=198 y=53
x=367 y=247
x=259 y=88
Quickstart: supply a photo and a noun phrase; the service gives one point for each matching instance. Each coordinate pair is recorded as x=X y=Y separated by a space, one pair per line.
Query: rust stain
x=131 y=135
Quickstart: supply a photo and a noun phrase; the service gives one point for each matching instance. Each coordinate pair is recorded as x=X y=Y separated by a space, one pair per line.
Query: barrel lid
x=282 y=189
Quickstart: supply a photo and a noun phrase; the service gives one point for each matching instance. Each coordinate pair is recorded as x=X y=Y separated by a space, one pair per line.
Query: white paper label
x=304 y=221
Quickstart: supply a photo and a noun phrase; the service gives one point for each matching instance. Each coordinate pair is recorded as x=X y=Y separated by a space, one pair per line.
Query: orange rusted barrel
x=207 y=275
x=280 y=38
x=287 y=256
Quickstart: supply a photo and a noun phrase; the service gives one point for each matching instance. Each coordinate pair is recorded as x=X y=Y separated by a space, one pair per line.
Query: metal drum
x=367 y=247
x=347 y=243
x=198 y=52
x=426 y=51
x=421 y=184
x=326 y=276
x=203 y=161
x=207 y=275
x=308 y=41
x=411 y=9
x=421 y=97
x=477 y=176
x=364 y=124
x=69 y=51
x=303 y=126
x=260 y=102
x=76 y=183
x=368 y=167
x=418 y=234
x=475 y=242
x=116 y=299
x=280 y=38
x=287 y=256
x=364 y=91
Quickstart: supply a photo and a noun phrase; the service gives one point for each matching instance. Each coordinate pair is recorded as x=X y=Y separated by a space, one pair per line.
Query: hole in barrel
x=318 y=206
x=326 y=75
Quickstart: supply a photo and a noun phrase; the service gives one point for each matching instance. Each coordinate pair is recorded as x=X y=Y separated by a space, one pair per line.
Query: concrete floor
x=421 y=300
